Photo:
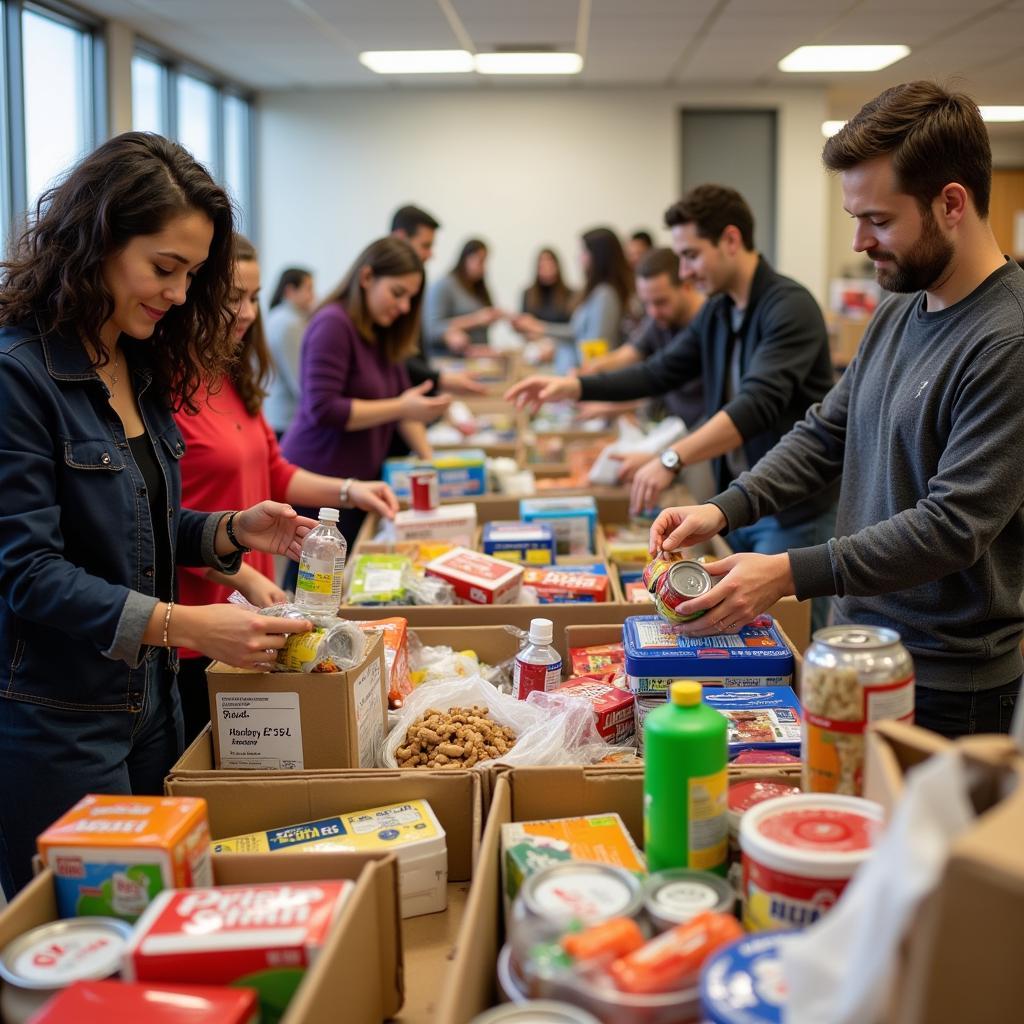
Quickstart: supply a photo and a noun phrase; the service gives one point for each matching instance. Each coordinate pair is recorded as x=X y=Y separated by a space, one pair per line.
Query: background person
x=639 y=244
x=290 y=309
x=458 y=308
x=549 y=298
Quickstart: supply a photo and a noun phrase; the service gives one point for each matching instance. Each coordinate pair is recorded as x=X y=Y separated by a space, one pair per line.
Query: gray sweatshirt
x=926 y=431
x=445 y=300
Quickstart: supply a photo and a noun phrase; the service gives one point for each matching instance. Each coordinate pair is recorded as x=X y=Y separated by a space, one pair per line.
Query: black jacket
x=785 y=368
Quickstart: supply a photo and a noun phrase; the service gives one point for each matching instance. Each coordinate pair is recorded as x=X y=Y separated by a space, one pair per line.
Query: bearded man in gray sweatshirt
x=925 y=429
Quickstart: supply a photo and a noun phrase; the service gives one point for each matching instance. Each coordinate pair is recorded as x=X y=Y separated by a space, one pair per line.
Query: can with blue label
x=743 y=983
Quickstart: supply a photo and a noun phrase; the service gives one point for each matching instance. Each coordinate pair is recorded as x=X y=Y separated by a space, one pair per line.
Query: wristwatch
x=671 y=461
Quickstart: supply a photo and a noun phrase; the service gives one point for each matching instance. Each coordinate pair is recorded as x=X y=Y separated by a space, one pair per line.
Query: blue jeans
x=963 y=713
x=50 y=758
x=769 y=537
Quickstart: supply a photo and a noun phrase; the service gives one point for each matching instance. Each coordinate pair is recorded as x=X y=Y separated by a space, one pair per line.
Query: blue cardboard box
x=529 y=543
x=572 y=519
x=460 y=474
x=760 y=717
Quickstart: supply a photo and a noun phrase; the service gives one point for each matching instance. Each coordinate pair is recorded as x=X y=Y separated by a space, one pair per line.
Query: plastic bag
x=550 y=728
x=427 y=590
x=633 y=440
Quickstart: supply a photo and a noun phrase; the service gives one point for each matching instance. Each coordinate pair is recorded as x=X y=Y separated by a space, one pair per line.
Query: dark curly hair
x=130 y=186
x=252 y=366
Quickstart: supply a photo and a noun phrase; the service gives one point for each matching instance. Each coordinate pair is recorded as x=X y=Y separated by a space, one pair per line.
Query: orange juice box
x=111 y=855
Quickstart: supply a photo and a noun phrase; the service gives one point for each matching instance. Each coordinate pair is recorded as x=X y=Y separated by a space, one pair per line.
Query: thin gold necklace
x=113 y=378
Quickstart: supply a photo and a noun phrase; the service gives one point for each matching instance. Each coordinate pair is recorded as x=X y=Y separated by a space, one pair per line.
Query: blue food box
x=461 y=473
x=573 y=520
x=529 y=543
x=657 y=655
x=759 y=717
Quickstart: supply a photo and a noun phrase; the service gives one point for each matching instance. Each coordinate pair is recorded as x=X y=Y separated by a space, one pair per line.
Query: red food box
x=477 y=578
x=564 y=585
x=614 y=707
x=600 y=658
x=637 y=593
x=120 y=1002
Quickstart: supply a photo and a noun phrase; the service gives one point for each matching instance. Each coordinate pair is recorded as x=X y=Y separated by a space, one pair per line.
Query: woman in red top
x=232 y=453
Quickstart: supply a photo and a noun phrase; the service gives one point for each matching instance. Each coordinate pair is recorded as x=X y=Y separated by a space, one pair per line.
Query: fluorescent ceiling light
x=829 y=128
x=843 y=58
x=417 y=62
x=543 y=63
x=1002 y=113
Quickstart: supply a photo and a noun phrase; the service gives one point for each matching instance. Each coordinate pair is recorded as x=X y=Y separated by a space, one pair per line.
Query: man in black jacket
x=759 y=344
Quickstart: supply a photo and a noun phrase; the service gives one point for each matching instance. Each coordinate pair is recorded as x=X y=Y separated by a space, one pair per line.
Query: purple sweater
x=337 y=364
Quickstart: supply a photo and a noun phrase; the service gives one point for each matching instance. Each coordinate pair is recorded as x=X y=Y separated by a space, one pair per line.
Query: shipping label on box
x=454 y=523
x=259 y=731
x=565 y=584
x=369 y=713
x=478 y=578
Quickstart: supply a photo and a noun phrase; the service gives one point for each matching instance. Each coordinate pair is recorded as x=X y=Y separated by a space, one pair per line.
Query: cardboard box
x=563 y=584
x=360 y=967
x=573 y=520
x=461 y=473
x=529 y=543
x=453 y=523
x=294 y=720
x=614 y=708
x=957 y=963
x=478 y=578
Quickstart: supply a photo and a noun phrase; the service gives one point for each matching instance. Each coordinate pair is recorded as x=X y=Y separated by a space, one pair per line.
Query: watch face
x=670 y=460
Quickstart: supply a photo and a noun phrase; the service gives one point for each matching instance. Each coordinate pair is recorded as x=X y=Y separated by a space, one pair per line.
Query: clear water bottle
x=322 y=566
x=538 y=666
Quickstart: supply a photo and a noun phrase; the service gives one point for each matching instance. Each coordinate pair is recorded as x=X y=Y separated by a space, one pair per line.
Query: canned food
x=749 y=793
x=334 y=649
x=536 y=1011
x=852 y=676
x=744 y=984
x=675 y=896
x=657 y=567
x=38 y=964
x=682 y=582
x=581 y=891
x=424 y=495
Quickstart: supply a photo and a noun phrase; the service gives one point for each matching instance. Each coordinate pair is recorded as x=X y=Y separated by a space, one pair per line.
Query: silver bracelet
x=346 y=486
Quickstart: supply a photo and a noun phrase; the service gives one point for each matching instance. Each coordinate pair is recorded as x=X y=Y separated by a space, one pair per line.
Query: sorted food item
x=395 y=632
x=535 y=1011
x=681 y=582
x=747 y=793
x=409 y=830
x=529 y=543
x=461 y=473
x=478 y=578
x=260 y=936
x=799 y=853
x=321 y=579
x=456 y=738
x=438 y=664
x=44 y=960
x=582 y=891
x=758 y=716
x=637 y=593
x=110 y=855
x=764 y=758
x=852 y=676
x=656 y=655
x=572 y=519
x=743 y=983
x=626 y=545
x=596 y=658
x=455 y=524
x=601 y=943
x=528 y=846
x=379 y=579
x=678 y=895
x=121 y=1002
x=614 y=706
x=334 y=648
x=671 y=959
x=565 y=584
x=423 y=490
x=537 y=665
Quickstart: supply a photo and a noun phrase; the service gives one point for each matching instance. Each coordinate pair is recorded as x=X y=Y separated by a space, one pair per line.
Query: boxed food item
x=453 y=523
x=573 y=521
x=656 y=655
x=627 y=544
x=602 y=658
x=478 y=578
x=637 y=593
x=760 y=717
x=614 y=707
x=378 y=579
x=409 y=830
x=395 y=632
x=120 y=1002
x=111 y=855
x=461 y=473
x=530 y=543
x=529 y=846
x=565 y=584
x=261 y=936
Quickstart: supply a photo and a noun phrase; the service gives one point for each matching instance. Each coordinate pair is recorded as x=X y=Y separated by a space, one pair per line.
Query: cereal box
x=478 y=578
x=569 y=584
x=529 y=543
x=572 y=519
x=614 y=711
x=111 y=855
x=260 y=936
x=395 y=632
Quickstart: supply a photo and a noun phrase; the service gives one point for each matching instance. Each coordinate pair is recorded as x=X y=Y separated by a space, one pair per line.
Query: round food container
x=536 y=1011
x=674 y=897
x=38 y=964
x=799 y=853
x=743 y=983
x=749 y=793
x=581 y=891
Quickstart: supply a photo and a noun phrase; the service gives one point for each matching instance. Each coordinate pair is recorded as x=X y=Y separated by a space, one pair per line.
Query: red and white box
x=614 y=707
x=453 y=523
x=558 y=585
x=598 y=659
x=477 y=578
x=637 y=593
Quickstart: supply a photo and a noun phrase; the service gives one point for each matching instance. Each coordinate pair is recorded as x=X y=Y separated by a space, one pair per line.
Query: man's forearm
x=716 y=437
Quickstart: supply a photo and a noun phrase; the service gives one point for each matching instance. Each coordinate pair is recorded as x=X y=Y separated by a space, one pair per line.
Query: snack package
x=379 y=579
x=614 y=706
x=566 y=584
x=395 y=633
x=602 y=658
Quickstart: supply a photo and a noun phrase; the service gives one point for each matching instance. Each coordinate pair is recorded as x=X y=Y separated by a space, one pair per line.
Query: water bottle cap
x=542 y=631
x=686 y=693
x=330 y=514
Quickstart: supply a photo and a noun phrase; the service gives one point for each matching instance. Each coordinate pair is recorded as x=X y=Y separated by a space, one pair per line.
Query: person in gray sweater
x=458 y=308
x=925 y=428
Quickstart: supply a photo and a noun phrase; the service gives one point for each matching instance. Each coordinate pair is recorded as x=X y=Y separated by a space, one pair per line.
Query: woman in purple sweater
x=355 y=390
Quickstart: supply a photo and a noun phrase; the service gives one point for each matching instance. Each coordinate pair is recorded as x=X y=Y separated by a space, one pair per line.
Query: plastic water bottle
x=322 y=566
x=538 y=665
x=686 y=749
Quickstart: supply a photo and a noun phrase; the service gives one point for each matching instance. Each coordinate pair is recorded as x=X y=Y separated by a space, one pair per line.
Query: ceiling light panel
x=529 y=63
x=842 y=58
x=417 y=62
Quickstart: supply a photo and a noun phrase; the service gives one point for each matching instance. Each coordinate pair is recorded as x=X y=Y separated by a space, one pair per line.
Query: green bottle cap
x=686 y=693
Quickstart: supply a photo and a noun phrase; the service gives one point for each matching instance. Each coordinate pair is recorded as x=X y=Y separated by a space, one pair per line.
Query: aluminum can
x=657 y=568
x=424 y=494
x=584 y=891
x=852 y=676
x=682 y=582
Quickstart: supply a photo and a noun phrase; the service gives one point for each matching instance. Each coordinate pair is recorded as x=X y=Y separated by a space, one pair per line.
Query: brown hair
x=608 y=264
x=387 y=257
x=657 y=262
x=711 y=209
x=560 y=292
x=131 y=185
x=933 y=136
x=251 y=369
x=478 y=289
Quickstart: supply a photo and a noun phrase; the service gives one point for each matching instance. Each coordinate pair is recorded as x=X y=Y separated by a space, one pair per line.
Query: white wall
x=520 y=168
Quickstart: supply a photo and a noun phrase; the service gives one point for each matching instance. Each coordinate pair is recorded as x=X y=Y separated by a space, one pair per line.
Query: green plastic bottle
x=686 y=749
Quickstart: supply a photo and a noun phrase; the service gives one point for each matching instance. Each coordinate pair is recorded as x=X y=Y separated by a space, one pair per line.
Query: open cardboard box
x=249 y=802
x=958 y=964
x=360 y=966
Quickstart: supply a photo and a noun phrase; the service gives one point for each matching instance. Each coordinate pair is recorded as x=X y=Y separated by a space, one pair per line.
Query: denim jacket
x=77 y=576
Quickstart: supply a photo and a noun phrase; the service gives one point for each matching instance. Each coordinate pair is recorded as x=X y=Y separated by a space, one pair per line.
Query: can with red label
x=656 y=568
x=423 y=490
x=682 y=582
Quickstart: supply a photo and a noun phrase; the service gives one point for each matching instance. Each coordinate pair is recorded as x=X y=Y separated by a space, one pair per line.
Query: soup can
x=682 y=582
x=656 y=568
x=424 y=495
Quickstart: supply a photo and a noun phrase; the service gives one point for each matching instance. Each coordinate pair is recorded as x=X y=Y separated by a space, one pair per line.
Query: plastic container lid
x=686 y=693
x=749 y=793
x=815 y=835
x=536 y=1011
x=542 y=631
x=78 y=949
x=743 y=982
x=677 y=895
x=332 y=515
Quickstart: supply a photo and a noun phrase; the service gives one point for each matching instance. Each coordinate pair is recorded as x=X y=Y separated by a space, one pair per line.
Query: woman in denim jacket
x=113 y=307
